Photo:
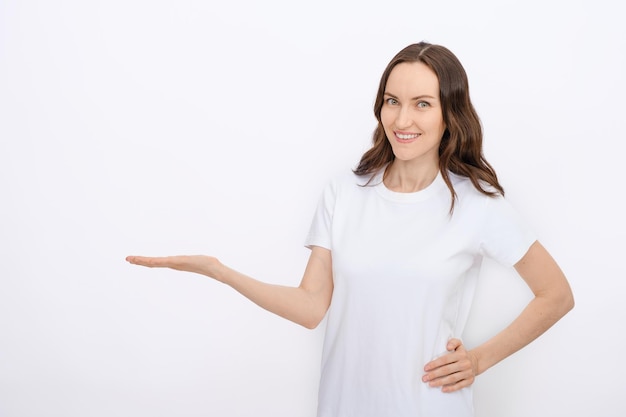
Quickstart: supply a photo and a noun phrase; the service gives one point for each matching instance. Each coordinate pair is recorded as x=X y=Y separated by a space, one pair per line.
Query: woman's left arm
x=552 y=300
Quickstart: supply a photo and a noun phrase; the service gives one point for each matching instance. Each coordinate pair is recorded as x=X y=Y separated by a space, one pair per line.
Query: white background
x=171 y=127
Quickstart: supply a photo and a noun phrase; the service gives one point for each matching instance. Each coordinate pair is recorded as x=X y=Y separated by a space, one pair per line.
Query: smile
x=407 y=136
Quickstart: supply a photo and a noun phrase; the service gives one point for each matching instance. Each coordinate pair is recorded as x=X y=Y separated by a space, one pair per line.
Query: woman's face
x=411 y=113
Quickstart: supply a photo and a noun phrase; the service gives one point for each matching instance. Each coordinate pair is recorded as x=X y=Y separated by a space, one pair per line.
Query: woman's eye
x=422 y=104
x=391 y=101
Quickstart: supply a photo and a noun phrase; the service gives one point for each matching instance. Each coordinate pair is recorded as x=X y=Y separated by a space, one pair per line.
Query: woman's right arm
x=305 y=305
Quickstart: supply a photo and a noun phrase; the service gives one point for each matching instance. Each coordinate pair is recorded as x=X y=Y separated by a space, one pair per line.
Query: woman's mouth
x=406 y=137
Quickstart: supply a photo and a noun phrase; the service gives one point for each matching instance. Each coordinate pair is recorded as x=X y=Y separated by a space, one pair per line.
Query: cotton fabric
x=404 y=272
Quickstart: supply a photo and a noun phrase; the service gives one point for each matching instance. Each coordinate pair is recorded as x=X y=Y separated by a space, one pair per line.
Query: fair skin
x=305 y=304
x=413 y=122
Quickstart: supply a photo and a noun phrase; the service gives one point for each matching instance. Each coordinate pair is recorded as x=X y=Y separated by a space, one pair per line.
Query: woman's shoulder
x=464 y=185
x=469 y=197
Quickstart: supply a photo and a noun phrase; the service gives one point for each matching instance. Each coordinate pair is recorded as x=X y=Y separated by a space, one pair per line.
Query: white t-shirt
x=404 y=275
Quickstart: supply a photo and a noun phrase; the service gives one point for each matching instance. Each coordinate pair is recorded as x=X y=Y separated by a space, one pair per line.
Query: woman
x=396 y=249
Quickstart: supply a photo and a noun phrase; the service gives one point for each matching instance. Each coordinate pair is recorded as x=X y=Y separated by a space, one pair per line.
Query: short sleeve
x=320 y=230
x=507 y=237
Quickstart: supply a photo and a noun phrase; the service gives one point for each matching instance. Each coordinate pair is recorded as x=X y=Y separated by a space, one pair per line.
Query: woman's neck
x=406 y=177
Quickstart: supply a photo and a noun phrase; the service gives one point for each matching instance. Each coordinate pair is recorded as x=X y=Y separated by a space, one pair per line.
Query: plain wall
x=180 y=127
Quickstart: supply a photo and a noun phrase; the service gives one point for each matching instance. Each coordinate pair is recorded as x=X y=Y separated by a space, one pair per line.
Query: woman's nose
x=404 y=118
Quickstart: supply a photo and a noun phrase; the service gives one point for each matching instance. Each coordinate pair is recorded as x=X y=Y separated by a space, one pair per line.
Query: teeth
x=412 y=136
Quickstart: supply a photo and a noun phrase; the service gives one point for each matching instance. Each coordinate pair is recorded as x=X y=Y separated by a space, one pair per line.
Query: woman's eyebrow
x=422 y=96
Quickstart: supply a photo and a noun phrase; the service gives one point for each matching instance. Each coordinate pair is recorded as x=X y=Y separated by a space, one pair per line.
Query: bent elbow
x=566 y=302
x=313 y=321
x=570 y=303
x=310 y=325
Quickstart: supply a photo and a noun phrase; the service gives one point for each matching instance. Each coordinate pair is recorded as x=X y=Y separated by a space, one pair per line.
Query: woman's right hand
x=305 y=304
x=200 y=264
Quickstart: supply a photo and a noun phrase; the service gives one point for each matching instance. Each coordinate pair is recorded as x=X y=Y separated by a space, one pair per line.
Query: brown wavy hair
x=461 y=146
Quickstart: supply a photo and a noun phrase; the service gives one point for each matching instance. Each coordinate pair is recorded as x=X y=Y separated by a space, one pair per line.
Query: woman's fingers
x=452 y=371
x=453 y=380
x=149 y=261
x=454 y=344
x=177 y=262
x=200 y=264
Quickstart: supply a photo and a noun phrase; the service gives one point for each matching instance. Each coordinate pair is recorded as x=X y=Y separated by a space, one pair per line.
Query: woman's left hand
x=454 y=370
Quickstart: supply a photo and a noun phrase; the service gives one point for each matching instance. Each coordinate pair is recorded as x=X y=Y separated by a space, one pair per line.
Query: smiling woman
x=412 y=118
x=396 y=248
x=437 y=90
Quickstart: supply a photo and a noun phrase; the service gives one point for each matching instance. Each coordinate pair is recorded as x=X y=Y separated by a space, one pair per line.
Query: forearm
x=538 y=316
x=292 y=303
x=305 y=304
x=458 y=368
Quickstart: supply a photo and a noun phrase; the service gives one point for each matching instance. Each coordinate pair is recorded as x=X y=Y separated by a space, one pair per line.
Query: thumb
x=454 y=344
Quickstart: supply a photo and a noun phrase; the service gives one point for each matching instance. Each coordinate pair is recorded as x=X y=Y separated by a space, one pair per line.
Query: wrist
x=474 y=357
x=215 y=269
